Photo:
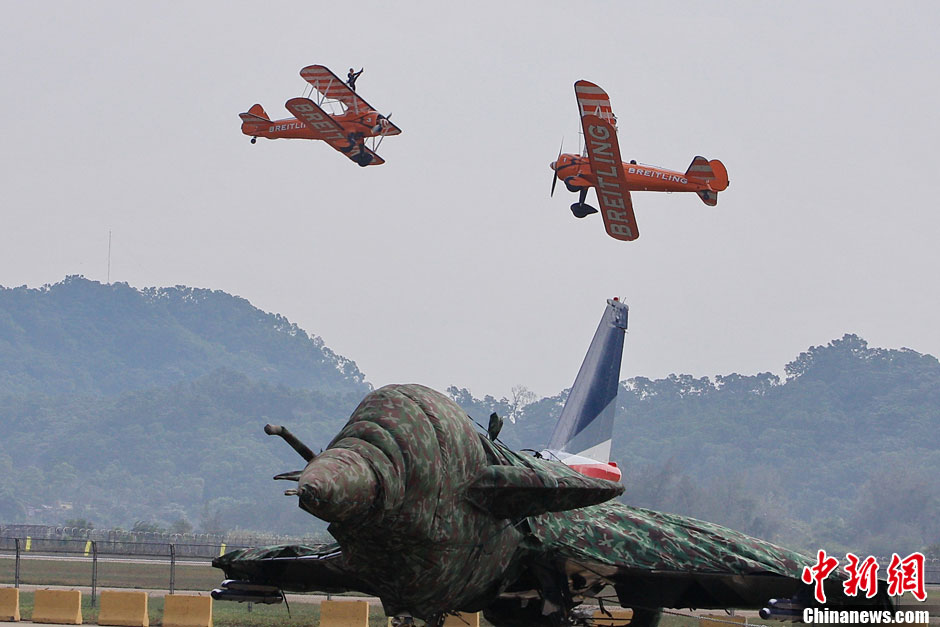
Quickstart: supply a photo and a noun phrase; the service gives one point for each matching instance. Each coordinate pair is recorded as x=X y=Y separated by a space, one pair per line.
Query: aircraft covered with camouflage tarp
x=434 y=516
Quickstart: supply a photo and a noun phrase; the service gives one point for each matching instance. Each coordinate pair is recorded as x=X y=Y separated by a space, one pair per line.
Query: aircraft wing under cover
x=327 y=129
x=655 y=559
x=600 y=137
x=331 y=86
x=665 y=560
x=296 y=568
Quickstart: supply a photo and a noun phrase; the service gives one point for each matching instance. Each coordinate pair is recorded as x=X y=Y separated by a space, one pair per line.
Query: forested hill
x=84 y=337
x=844 y=451
x=122 y=406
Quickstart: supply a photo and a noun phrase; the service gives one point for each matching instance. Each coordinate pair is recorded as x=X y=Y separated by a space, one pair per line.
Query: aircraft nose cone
x=552 y=165
x=337 y=485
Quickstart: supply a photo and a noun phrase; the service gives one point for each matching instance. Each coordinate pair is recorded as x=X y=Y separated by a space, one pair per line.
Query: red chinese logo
x=818 y=573
x=904 y=575
x=907 y=575
x=862 y=576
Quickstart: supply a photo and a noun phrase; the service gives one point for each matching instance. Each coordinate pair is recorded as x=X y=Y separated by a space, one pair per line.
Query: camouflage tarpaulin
x=298 y=568
x=409 y=479
x=433 y=517
x=636 y=538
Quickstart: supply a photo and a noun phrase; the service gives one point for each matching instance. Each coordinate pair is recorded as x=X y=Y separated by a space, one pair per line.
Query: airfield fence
x=95 y=547
x=230 y=538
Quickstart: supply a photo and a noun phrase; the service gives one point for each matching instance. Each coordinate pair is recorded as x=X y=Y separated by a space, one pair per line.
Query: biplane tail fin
x=713 y=173
x=255 y=114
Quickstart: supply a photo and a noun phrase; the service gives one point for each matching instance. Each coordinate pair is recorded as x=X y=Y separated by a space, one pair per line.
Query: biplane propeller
x=580 y=209
x=555 y=178
x=339 y=116
x=602 y=168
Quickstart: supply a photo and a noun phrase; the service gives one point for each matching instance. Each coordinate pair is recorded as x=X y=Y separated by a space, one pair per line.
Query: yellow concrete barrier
x=463 y=619
x=720 y=620
x=182 y=610
x=62 y=607
x=9 y=605
x=344 y=614
x=618 y=617
x=126 y=608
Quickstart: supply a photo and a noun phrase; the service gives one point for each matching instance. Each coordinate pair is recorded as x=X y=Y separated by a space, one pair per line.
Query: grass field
x=223 y=614
x=241 y=615
x=145 y=576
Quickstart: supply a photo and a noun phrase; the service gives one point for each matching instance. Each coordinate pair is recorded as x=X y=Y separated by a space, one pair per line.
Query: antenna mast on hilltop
x=109 y=256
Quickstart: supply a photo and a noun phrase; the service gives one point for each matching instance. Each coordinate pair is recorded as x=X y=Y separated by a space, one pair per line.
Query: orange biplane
x=340 y=117
x=613 y=180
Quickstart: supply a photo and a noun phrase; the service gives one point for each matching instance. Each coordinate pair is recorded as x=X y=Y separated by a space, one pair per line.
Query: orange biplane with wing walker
x=613 y=180
x=340 y=117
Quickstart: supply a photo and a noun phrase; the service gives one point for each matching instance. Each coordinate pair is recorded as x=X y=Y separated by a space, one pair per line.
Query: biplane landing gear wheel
x=581 y=210
x=254 y=139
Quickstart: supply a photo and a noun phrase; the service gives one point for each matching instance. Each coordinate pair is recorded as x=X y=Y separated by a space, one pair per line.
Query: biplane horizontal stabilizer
x=708 y=197
x=248 y=117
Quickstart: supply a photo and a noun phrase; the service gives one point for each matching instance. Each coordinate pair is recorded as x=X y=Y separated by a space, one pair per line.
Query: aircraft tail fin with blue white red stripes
x=585 y=427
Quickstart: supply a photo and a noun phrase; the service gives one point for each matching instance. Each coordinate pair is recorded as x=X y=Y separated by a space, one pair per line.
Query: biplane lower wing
x=316 y=119
x=327 y=129
x=613 y=195
x=359 y=153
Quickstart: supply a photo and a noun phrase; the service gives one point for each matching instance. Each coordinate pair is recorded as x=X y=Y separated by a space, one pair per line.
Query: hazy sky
x=450 y=264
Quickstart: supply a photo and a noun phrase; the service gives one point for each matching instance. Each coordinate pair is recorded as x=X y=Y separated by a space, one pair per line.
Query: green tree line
x=124 y=407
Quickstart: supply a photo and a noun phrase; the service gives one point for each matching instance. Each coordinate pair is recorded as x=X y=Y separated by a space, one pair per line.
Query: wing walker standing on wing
x=351 y=77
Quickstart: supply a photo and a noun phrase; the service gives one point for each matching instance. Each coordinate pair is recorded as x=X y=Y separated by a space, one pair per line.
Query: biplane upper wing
x=592 y=100
x=327 y=129
x=330 y=86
